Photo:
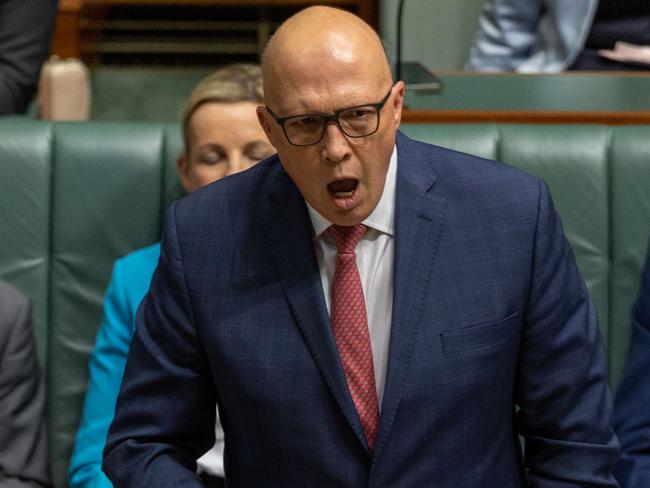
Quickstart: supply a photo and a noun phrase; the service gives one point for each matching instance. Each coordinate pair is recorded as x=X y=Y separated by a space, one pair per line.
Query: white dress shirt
x=375 y=254
x=212 y=461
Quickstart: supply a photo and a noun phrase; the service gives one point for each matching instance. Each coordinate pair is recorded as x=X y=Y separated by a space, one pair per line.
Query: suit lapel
x=288 y=233
x=419 y=222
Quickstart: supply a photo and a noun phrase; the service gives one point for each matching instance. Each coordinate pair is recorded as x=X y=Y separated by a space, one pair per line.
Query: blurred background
x=152 y=52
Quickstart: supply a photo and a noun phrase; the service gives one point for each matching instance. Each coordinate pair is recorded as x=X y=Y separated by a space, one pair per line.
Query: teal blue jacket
x=129 y=284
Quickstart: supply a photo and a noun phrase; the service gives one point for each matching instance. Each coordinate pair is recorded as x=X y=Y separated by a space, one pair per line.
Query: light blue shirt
x=531 y=36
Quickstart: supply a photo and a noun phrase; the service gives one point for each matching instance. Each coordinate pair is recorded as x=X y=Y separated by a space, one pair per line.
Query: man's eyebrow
x=340 y=109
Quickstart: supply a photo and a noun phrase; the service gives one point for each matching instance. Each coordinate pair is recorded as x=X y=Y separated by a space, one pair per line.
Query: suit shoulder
x=12 y=300
x=458 y=170
x=14 y=314
x=226 y=200
x=477 y=191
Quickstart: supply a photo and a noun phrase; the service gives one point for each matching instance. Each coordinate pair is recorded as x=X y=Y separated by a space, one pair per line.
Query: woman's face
x=225 y=138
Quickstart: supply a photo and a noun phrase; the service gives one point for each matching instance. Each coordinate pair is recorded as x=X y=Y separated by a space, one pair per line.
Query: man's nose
x=335 y=145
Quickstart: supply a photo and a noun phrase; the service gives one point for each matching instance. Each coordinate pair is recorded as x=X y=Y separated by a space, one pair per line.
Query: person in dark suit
x=632 y=406
x=26 y=28
x=23 y=441
x=365 y=309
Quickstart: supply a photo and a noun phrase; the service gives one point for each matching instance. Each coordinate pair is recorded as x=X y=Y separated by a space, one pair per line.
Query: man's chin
x=348 y=217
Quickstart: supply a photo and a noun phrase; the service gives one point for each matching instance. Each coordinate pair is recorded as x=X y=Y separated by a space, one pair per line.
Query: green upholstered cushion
x=477 y=139
x=106 y=202
x=25 y=196
x=629 y=233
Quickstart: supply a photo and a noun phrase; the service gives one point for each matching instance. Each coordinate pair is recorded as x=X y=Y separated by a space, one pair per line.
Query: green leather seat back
x=477 y=139
x=25 y=196
x=106 y=202
x=629 y=233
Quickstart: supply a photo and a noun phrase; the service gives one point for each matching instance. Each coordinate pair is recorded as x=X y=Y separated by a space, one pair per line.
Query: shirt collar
x=382 y=217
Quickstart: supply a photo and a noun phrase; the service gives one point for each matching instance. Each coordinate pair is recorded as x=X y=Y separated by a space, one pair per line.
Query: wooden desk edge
x=415 y=116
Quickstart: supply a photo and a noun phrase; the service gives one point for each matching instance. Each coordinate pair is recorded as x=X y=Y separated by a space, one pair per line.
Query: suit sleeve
x=23 y=441
x=506 y=34
x=562 y=394
x=165 y=414
x=632 y=413
x=26 y=27
x=106 y=367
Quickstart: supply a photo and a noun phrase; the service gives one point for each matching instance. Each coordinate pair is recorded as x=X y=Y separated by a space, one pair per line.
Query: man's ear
x=398 y=102
x=267 y=123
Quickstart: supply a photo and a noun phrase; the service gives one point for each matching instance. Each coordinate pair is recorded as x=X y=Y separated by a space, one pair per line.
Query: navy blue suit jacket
x=632 y=413
x=493 y=335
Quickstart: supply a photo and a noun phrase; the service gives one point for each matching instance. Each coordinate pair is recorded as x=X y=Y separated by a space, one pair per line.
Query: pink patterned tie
x=350 y=326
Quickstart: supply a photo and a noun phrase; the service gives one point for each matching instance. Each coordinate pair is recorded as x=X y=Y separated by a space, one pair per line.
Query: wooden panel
x=66 y=40
x=86 y=29
x=366 y=9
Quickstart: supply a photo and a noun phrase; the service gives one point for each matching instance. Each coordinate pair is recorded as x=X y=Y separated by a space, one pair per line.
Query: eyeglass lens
x=354 y=122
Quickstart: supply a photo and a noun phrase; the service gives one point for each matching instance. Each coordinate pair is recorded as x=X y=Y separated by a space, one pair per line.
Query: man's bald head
x=322 y=41
x=324 y=61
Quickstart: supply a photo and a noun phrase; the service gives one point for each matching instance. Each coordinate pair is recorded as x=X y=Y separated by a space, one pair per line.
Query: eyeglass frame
x=334 y=117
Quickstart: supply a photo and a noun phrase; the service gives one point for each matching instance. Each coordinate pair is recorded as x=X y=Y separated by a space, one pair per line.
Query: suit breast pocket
x=482 y=336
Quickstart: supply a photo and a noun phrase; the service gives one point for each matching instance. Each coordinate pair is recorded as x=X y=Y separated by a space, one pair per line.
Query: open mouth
x=343 y=188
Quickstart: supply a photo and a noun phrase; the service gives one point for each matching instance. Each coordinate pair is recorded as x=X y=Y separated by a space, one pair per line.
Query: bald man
x=366 y=310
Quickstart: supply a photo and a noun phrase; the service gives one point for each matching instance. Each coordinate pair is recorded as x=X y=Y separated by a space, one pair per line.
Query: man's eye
x=359 y=113
x=306 y=122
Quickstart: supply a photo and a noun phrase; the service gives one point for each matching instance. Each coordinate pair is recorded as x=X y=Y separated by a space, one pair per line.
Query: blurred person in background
x=26 y=28
x=221 y=137
x=556 y=35
x=632 y=405
x=23 y=437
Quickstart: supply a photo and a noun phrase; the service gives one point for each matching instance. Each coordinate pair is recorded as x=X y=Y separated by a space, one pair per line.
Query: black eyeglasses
x=308 y=129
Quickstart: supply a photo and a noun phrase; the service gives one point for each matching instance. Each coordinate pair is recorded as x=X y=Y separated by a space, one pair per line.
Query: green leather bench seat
x=76 y=196
x=628 y=228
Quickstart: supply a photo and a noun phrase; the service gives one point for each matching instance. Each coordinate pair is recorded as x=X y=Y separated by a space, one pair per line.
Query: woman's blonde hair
x=233 y=83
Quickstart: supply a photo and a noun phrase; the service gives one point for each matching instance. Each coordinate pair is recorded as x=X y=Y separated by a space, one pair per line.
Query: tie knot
x=347 y=237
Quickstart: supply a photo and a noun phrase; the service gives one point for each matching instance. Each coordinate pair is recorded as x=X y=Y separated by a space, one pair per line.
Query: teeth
x=343 y=194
